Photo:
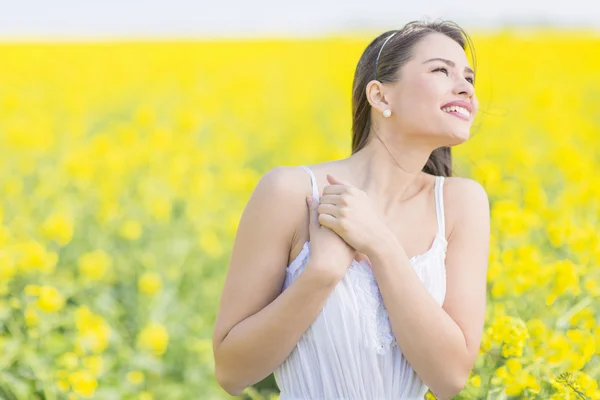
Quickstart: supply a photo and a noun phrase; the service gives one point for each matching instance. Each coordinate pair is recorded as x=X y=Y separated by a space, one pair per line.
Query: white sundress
x=350 y=352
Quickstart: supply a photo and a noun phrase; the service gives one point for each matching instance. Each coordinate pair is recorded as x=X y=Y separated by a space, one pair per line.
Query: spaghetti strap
x=313 y=181
x=439 y=205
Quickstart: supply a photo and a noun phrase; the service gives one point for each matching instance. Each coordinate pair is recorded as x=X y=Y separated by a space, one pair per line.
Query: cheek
x=420 y=97
x=475 y=104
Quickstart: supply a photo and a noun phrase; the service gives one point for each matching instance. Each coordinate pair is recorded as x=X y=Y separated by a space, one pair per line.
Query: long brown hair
x=398 y=51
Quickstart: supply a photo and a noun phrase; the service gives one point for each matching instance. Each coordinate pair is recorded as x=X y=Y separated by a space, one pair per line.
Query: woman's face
x=437 y=74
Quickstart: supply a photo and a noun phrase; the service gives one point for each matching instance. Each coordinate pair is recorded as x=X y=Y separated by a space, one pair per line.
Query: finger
x=334 y=199
x=336 y=189
x=335 y=181
x=330 y=209
x=328 y=221
x=313 y=217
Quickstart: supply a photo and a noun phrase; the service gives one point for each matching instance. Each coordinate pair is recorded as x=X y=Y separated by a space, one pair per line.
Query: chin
x=459 y=137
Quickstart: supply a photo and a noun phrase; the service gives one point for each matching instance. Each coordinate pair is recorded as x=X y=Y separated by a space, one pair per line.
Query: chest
x=355 y=312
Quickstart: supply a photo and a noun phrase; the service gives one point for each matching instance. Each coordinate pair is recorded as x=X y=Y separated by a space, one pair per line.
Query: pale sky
x=51 y=19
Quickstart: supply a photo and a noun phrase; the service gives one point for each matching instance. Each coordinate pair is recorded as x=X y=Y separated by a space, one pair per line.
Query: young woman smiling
x=378 y=290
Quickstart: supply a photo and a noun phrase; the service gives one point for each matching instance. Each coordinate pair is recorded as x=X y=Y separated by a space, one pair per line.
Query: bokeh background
x=133 y=133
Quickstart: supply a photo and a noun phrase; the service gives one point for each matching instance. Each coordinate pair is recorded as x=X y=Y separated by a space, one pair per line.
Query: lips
x=458 y=108
x=460 y=103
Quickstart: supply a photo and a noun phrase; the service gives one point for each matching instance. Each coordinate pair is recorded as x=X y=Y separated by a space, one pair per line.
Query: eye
x=470 y=80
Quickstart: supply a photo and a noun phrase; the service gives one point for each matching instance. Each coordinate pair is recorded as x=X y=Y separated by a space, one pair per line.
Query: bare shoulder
x=260 y=251
x=284 y=182
x=464 y=198
x=285 y=188
x=456 y=186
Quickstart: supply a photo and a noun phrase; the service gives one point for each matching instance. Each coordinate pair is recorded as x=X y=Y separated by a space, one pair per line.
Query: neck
x=389 y=171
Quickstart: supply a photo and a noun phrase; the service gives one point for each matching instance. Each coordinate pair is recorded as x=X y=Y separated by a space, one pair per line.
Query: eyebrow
x=450 y=63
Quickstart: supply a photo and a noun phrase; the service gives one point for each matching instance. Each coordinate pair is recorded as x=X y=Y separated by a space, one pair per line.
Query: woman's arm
x=257 y=326
x=441 y=343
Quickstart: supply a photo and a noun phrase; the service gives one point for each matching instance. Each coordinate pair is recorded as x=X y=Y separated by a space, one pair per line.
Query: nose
x=463 y=87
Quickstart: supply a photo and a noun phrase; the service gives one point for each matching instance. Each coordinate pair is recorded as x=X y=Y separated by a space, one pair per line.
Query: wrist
x=320 y=276
x=382 y=246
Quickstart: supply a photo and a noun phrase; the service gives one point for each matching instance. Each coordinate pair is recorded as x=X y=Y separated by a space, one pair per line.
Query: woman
x=372 y=307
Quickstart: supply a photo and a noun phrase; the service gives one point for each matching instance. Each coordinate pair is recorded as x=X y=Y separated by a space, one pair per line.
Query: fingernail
x=309 y=200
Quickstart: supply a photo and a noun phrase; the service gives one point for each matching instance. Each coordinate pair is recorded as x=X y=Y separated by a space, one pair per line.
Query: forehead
x=437 y=45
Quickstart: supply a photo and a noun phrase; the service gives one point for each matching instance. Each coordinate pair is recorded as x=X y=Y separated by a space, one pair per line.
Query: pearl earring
x=387 y=113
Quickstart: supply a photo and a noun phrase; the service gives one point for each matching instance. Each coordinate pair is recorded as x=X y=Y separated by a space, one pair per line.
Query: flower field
x=125 y=167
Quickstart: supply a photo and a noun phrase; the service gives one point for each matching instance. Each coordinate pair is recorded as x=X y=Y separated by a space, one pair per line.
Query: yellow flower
x=68 y=360
x=32 y=290
x=149 y=283
x=588 y=385
x=486 y=341
x=154 y=338
x=31 y=317
x=95 y=265
x=83 y=382
x=592 y=287
x=514 y=341
x=145 y=395
x=62 y=385
x=14 y=303
x=160 y=209
x=584 y=318
x=499 y=289
x=596 y=334
x=558 y=348
x=50 y=299
x=7 y=266
x=131 y=230
x=33 y=257
x=583 y=347
x=210 y=244
x=475 y=381
x=135 y=377
x=566 y=278
x=95 y=364
x=144 y=116
x=514 y=378
x=58 y=227
x=508 y=214
x=4 y=234
x=92 y=331
x=514 y=366
x=13 y=186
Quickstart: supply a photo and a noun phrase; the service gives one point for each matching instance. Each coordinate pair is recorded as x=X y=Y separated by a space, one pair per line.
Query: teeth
x=458 y=109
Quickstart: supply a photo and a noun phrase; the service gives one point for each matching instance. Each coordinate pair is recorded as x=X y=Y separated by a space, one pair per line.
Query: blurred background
x=133 y=133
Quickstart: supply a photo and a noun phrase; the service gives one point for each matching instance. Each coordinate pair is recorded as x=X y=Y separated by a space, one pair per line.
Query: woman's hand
x=329 y=253
x=349 y=212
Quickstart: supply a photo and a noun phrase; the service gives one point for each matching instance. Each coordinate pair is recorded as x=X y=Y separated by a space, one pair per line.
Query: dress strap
x=439 y=204
x=313 y=181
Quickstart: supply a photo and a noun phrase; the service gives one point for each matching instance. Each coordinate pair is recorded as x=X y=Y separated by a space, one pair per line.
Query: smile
x=458 y=111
